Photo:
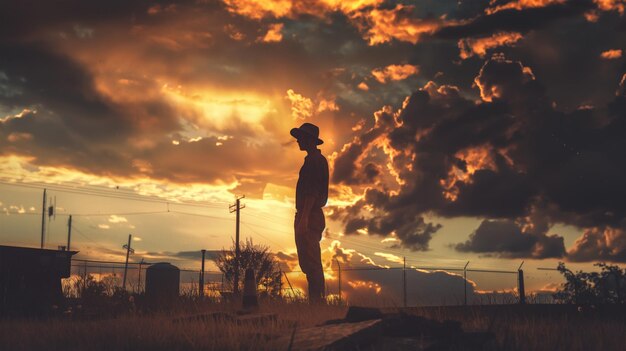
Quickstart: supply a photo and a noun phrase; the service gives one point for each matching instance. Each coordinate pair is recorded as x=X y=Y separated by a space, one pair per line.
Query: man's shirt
x=313 y=180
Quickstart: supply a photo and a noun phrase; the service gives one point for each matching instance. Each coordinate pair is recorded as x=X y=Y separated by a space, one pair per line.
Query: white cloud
x=117 y=219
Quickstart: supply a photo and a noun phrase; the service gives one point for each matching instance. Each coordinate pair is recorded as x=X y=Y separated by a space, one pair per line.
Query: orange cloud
x=381 y=25
x=605 y=5
x=19 y=167
x=17 y=136
x=292 y=8
x=611 y=54
x=348 y=6
x=520 y=5
x=233 y=32
x=389 y=257
x=479 y=46
x=260 y=9
x=606 y=243
x=622 y=86
x=301 y=107
x=274 y=33
x=490 y=91
x=475 y=158
x=611 y=5
x=394 y=72
x=327 y=104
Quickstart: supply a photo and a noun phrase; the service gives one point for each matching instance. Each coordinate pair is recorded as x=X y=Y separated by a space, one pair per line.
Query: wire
x=199 y=215
x=266 y=238
x=97 y=192
x=264 y=227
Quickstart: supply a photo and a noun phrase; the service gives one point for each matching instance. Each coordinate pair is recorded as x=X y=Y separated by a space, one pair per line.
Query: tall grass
x=529 y=327
x=541 y=327
x=159 y=331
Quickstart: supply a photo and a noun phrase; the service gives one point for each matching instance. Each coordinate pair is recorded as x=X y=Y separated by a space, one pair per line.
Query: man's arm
x=316 y=185
x=303 y=221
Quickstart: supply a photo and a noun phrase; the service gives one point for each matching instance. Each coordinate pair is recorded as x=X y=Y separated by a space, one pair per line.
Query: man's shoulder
x=318 y=157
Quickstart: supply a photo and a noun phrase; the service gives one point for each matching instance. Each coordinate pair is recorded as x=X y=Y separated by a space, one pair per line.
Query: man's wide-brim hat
x=307 y=130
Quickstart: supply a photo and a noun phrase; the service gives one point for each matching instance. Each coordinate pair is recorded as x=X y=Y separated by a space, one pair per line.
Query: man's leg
x=309 y=257
x=317 y=285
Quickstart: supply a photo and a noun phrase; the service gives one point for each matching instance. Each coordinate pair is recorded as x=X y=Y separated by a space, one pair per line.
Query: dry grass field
x=531 y=327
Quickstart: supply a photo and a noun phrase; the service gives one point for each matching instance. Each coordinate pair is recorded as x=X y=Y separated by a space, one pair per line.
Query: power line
x=79 y=186
x=266 y=238
x=100 y=193
x=199 y=215
x=122 y=267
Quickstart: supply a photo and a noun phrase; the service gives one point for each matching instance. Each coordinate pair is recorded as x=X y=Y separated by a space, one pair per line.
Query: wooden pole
x=126 y=265
x=236 y=208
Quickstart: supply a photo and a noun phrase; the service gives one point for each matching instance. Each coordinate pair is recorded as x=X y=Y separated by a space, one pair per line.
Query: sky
x=488 y=131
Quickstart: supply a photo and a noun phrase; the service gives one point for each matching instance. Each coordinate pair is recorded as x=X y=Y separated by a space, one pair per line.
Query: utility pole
x=201 y=280
x=404 y=281
x=236 y=208
x=69 y=232
x=465 y=284
x=43 y=218
x=129 y=250
x=339 y=280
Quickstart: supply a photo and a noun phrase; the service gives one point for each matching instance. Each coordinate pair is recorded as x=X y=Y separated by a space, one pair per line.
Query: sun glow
x=218 y=108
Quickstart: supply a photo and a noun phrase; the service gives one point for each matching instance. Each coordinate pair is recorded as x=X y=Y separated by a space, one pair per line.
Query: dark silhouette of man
x=311 y=196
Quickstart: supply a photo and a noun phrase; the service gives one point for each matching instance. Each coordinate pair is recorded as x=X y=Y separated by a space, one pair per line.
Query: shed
x=30 y=279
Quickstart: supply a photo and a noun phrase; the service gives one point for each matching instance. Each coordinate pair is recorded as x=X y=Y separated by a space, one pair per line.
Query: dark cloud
x=600 y=243
x=197 y=255
x=506 y=239
x=423 y=287
x=510 y=156
x=516 y=20
x=483 y=139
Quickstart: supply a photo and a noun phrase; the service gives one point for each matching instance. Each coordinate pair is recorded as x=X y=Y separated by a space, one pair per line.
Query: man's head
x=307 y=136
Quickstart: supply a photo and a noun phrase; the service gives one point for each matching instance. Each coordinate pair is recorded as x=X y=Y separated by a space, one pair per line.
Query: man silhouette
x=311 y=196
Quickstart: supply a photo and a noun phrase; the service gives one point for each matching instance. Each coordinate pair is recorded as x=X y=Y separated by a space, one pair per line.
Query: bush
x=605 y=287
x=257 y=257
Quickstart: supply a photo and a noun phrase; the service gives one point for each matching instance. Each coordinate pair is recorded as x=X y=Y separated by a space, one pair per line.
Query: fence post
x=465 y=283
x=520 y=285
x=339 y=280
x=280 y=282
x=201 y=280
x=404 y=281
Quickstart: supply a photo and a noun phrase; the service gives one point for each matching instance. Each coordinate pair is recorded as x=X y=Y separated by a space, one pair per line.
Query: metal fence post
x=465 y=283
x=520 y=284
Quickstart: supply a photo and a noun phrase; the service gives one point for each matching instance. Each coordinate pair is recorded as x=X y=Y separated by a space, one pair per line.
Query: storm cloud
x=483 y=109
x=506 y=157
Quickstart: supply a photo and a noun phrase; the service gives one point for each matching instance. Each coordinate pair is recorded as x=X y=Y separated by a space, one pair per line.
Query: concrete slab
x=340 y=336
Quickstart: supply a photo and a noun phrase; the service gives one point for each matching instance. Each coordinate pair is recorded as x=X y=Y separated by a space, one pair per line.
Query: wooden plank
x=341 y=336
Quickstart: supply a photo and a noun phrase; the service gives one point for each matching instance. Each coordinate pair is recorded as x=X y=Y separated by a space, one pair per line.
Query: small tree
x=257 y=257
x=606 y=286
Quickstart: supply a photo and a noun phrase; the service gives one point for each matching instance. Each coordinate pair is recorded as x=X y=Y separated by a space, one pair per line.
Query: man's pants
x=309 y=254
